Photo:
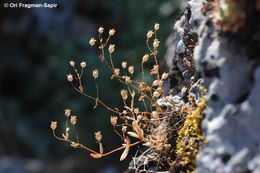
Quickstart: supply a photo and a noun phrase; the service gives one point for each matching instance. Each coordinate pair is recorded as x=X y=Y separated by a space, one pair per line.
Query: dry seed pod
x=92 y=41
x=112 y=32
x=117 y=71
x=124 y=128
x=73 y=120
x=111 y=48
x=124 y=94
x=98 y=136
x=145 y=58
x=72 y=63
x=128 y=80
x=70 y=77
x=113 y=120
x=53 y=125
x=67 y=112
x=83 y=64
x=100 y=30
x=156 y=26
x=95 y=73
x=124 y=64
x=149 y=34
x=164 y=75
x=156 y=43
x=131 y=69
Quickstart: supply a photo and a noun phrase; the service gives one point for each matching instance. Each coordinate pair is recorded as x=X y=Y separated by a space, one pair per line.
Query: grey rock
x=232 y=79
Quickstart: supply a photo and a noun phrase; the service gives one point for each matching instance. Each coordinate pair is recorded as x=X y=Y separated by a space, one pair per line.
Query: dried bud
x=111 y=48
x=72 y=63
x=92 y=41
x=117 y=71
x=53 y=125
x=156 y=43
x=112 y=32
x=95 y=73
x=156 y=26
x=156 y=82
x=83 y=64
x=164 y=75
x=100 y=30
x=145 y=57
x=67 y=112
x=124 y=64
x=156 y=94
x=70 y=77
x=155 y=69
x=124 y=128
x=113 y=120
x=128 y=80
x=136 y=110
x=149 y=34
x=155 y=115
x=131 y=69
x=133 y=93
x=124 y=94
x=98 y=136
x=124 y=112
x=139 y=117
x=73 y=120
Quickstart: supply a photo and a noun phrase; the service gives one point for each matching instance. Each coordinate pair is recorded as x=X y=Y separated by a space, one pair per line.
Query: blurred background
x=36 y=46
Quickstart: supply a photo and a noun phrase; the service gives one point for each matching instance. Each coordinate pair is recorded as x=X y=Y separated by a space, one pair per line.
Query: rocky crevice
x=229 y=65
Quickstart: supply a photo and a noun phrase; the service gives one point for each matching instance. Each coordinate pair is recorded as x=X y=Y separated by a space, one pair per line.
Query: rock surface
x=229 y=64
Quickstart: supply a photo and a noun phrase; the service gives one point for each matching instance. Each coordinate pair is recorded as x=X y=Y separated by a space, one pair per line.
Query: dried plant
x=144 y=124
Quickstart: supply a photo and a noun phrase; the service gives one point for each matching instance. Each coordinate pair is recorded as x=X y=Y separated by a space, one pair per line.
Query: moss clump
x=190 y=138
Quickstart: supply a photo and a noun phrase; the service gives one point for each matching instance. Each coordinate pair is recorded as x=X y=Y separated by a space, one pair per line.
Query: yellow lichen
x=190 y=136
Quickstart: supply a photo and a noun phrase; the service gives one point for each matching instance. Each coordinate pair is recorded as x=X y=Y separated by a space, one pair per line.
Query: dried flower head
x=73 y=119
x=156 y=82
x=156 y=94
x=95 y=73
x=70 y=77
x=53 y=125
x=112 y=32
x=83 y=64
x=155 y=115
x=72 y=63
x=67 y=112
x=155 y=69
x=131 y=69
x=164 y=75
x=156 y=43
x=113 y=120
x=124 y=64
x=124 y=128
x=124 y=94
x=150 y=34
x=100 y=30
x=145 y=58
x=98 y=136
x=117 y=71
x=111 y=48
x=128 y=80
x=92 y=41
x=136 y=110
x=156 y=26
